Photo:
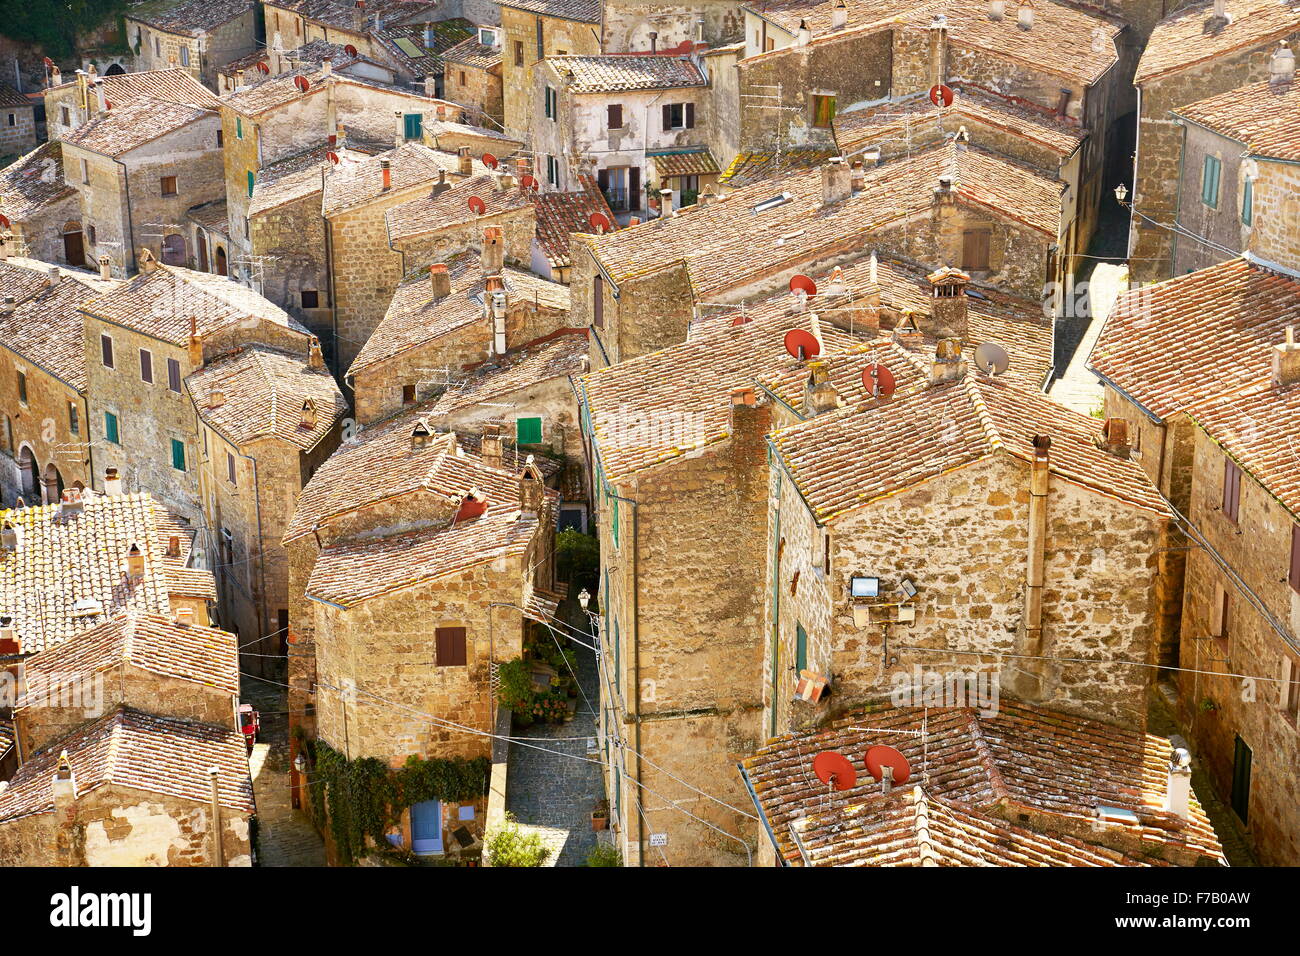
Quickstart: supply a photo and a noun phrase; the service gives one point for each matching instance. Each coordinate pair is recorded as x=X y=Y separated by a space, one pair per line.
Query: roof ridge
x=921 y=828
x=985 y=753
x=982 y=413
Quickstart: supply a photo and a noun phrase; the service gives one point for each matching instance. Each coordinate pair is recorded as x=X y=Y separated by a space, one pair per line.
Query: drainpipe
x=1035 y=567
x=636 y=664
x=329 y=281
x=218 y=849
x=130 y=219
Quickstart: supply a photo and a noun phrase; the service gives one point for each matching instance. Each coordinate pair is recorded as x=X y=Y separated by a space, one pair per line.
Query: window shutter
x=450 y=646
x=598 y=302
x=668 y=116
x=1294 y=576
x=106 y=350
x=528 y=431
x=690 y=116
x=110 y=428
x=146 y=366
x=1247 y=202
x=634 y=187
x=174 y=375
x=178 y=454
x=801 y=647
x=616 y=117
x=250 y=182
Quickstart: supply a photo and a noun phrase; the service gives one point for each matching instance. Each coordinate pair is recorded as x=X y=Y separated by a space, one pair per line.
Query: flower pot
x=599 y=821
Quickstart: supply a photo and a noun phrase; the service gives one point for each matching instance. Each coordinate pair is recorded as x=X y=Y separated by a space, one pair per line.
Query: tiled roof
x=46 y=326
x=411 y=164
x=341 y=14
x=435 y=128
x=33 y=182
x=415 y=318
x=846 y=460
x=855 y=129
x=622 y=73
x=561 y=214
x=471 y=52
x=756 y=167
x=1192 y=35
x=127 y=748
x=151 y=642
x=584 y=11
x=162 y=303
x=690 y=162
x=910 y=828
x=409 y=44
x=264 y=390
x=9 y=97
x=169 y=86
x=211 y=215
x=726 y=243
x=1258 y=430
x=1194 y=337
x=7 y=738
x=68 y=558
x=188 y=17
x=124 y=128
x=451 y=206
x=1022 y=759
x=193 y=583
x=668 y=403
x=1263 y=117
x=559 y=357
x=295 y=177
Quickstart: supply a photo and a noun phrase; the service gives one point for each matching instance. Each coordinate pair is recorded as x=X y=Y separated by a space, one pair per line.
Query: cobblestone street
x=285 y=837
x=553 y=795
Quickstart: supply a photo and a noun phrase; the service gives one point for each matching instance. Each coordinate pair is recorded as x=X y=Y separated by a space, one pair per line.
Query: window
x=174 y=375
x=598 y=302
x=613 y=520
x=528 y=431
x=74 y=419
x=614 y=116
x=1291 y=687
x=1231 y=490
x=1210 y=181
x=157 y=47
x=462 y=77
x=413 y=125
x=110 y=428
x=106 y=351
x=1294 y=576
x=178 y=454
x=1247 y=202
x=1224 y=637
x=1241 y=760
x=551 y=109
x=64 y=116
x=169 y=185
x=541 y=40
x=823 y=111
x=975 y=250
x=251 y=181
x=800 y=647
x=230 y=468
x=408 y=394
x=519 y=53
x=679 y=115
x=146 y=366
x=85 y=172
x=487 y=36
x=13 y=119
x=239 y=127
x=90 y=234
x=552 y=170
x=22 y=387
x=185 y=56
x=310 y=299
x=220 y=139
x=450 y=648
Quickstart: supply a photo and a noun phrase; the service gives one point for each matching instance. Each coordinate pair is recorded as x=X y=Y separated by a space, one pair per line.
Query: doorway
x=426 y=828
x=221 y=262
x=1241 y=759
x=74 y=247
x=202 y=243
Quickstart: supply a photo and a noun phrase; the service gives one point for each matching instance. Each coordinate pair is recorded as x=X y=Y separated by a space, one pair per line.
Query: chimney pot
x=421 y=433
x=837 y=181
x=64 y=787
x=839 y=15
x=1178 y=799
x=439 y=280
x=819 y=394
x=10 y=644
x=491 y=448
x=949 y=362
x=1286 y=360
x=112 y=482
x=531 y=488
x=1025 y=15
x=174 y=546
x=307 y=419
x=997 y=9
x=492 y=258
x=105 y=267
x=216 y=398
x=387 y=173
x=185 y=616
x=464 y=162
x=11 y=539
x=1281 y=68
x=135 y=563
x=948 y=304
x=315 y=358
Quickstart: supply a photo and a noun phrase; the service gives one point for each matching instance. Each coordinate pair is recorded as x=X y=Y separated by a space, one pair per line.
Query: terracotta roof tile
x=29 y=184
x=560 y=357
x=1192 y=35
x=263 y=390
x=1263 y=117
x=150 y=642
x=401 y=39
x=169 y=86
x=353 y=184
x=471 y=52
x=689 y=162
x=751 y=167
x=46 y=326
x=9 y=97
x=449 y=207
x=622 y=73
x=561 y=214
x=1022 y=759
x=138 y=751
x=126 y=127
x=188 y=17
x=1259 y=431
x=584 y=11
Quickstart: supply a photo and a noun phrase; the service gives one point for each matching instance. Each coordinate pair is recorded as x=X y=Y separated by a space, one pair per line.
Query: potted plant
x=600 y=815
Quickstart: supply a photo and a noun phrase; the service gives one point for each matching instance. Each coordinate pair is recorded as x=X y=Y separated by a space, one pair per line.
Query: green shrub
x=577 y=559
x=508 y=845
x=604 y=854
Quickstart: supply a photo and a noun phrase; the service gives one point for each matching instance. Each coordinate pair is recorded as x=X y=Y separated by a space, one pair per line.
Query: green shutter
x=528 y=431
x=239 y=127
x=110 y=428
x=1210 y=181
x=178 y=454
x=801 y=647
x=414 y=125
x=251 y=180
x=1247 y=202
x=613 y=522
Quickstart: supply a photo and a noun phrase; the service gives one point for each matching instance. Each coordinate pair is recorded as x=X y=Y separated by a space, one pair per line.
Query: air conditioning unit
x=811 y=687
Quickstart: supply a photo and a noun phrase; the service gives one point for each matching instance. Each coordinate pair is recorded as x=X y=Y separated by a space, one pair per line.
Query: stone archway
x=173 y=250
x=74 y=245
x=51 y=485
x=29 y=486
x=222 y=268
x=115 y=70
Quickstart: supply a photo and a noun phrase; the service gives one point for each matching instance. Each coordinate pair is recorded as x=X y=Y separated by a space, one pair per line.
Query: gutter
x=130 y=218
x=749 y=788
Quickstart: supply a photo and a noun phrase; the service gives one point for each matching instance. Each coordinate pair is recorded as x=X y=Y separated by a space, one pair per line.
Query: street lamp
x=1121 y=193
x=584 y=598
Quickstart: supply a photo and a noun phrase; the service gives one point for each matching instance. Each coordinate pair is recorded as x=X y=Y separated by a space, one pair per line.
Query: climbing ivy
x=362 y=798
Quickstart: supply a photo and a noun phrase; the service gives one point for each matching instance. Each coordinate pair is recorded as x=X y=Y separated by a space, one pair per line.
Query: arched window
x=173 y=250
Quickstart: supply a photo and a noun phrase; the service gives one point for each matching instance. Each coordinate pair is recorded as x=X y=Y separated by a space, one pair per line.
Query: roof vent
x=87 y=607
x=1025 y=15
x=780 y=199
x=421 y=434
x=307 y=419
x=1286 y=360
x=1281 y=68
x=135 y=562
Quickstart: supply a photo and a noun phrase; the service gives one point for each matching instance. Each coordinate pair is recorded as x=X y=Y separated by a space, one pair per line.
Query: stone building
x=44 y=410
x=40 y=214
x=1097 y=795
x=1197 y=52
x=1237 y=185
x=17 y=122
x=268 y=419
x=472 y=78
x=198 y=36
x=446 y=320
x=1202 y=369
x=68 y=105
x=533 y=30
x=273 y=60
x=644 y=26
x=639 y=124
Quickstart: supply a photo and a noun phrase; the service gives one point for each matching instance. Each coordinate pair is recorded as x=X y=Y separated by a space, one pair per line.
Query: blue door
x=426 y=827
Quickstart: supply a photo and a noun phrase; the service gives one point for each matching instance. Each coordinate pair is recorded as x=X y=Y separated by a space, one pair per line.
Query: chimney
x=1281 y=68
x=1178 y=800
x=174 y=546
x=1114 y=438
x=439 y=280
x=64 y=789
x=819 y=394
x=11 y=539
x=858 y=176
x=798 y=301
x=105 y=267
x=185 y=616
x=421 y=434
x=949 y=364
x=386 y=171
x=135 y=563
x=531 y=489
x=1220 y=9
x=1286 y=360
x=307 y=419
x=666 y=203
x=1025 y=14
x=71 y=503
x=216 y=398
x=101 y=97
x=399 y=121
x=83 y=90
x=839 y=15
x=239 y=79
x=326 y=67
x=359 y=16
x=654 y=41
x=997 y=9
x=493 y=255
x=112 y=482
x=56 y=76
x=744 y=396
x=948 y=303
x=441 y=185
x=315 y=358
x=804 y=36
x=946 y=191
x=4 y=249
x=7 y=305
x=196 y=344
x=10 y=645
x=491 y=449
x=148 y=264
x=464 y=162
x=837 y=181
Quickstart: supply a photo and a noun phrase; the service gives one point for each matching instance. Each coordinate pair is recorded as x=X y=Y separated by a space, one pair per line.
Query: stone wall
x=17 y=130
x=1275 y=233
x=627 y=24
x=204 y=55
x=1221 y=223
x=520 y=58
x=44 y=426
x=651 y=311
x=41 y=235
x=478 y=90
x=518 y=228
x=289 y=244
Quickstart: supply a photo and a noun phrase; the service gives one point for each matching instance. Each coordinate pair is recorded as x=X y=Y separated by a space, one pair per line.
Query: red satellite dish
x=490 y=161
x=528 y=181
x=803 y=283
x=350 y=50
x=878 y=381
x=333 y=158
x=4 y=221
x=302 y=83
x=802 y=344
x=830 y=765
x=49 y=64
x=880 y=756
x=477 y=206
x=599 y=222
x=263 y=68
x=941 y=95
x=741 y=320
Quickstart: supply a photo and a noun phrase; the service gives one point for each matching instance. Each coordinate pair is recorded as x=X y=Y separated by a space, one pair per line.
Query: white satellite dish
x=992 y=359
